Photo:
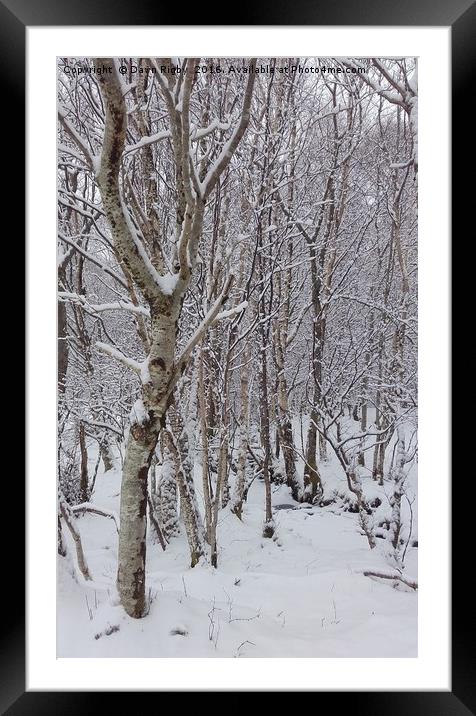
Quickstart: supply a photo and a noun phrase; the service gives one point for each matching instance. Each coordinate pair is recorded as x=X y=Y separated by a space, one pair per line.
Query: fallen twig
x=395 y=577
x=89 y=507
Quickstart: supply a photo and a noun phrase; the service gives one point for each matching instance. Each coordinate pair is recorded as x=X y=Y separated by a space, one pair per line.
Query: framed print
x=237 y=296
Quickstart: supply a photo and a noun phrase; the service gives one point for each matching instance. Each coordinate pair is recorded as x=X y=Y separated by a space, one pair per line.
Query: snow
x=138 y=415
x=232 y=311
x=168 y=283
x=96 y=164
x=301 y=594
x=115 y=353
x=95 y=509
x=144 y=372
x=198 y=134
x=145 y=141
x=225 y=152
x=120 y=305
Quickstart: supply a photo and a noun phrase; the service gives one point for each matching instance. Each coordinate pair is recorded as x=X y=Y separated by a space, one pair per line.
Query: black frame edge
x=12 y=73
x=462 y=700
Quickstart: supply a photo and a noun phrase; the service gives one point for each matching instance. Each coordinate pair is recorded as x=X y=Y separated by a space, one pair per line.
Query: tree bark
x=133 y=518
x=167 y=494
x=83 y=478
x=207 y=497
x=268 y=529
x=312 y=478
x=62 y=347
x=240 y=484
x=192 y=526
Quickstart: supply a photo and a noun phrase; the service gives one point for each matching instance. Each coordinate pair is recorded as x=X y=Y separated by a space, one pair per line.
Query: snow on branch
x=201 y=133
x=127 y=239
x=401 y=165
x=99 y=424
x=292 y=335
x=63 y=258
x=393 y=97
x=138 y=414
x=226 y=153
x=70 y=522
x=391 y=80
x=165 y=283
x=209 y=319
x=121 y=305
x=90 y=507
x=78 y=140
x=93 y=259
x=63 y=149
x=406 y=97
x=231 y=312
x=115 y=353
x=147 y=141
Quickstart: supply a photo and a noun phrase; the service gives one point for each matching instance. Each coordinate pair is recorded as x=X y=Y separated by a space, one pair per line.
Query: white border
x=431 y=670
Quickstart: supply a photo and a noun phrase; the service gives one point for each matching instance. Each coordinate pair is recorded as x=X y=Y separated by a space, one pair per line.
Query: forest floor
x=301 y=594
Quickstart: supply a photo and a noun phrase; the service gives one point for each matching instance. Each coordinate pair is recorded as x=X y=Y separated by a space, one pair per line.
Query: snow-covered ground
x=301 y=594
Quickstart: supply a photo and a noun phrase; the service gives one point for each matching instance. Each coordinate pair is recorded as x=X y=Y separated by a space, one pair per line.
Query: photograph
x=237 y=357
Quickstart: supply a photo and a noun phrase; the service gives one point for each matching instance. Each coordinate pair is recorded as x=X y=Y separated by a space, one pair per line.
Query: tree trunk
x=61 y=546
x=133 y=518
x=62 y=347
x=240 y=484
x=312 y=478
x=221 y=476
x=355 y=486
x=223 y=453
x=268 y=529
x=83 y=478
x=287 y=444
x=398 y=490
x=207 y=496
x=285 y=431
x=322 y=448
x=167 y=495
x=107 y=455
x=363 y=427
x=187 y=507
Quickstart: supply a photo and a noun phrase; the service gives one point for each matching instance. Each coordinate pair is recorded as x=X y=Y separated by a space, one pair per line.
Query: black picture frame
x=15 y=17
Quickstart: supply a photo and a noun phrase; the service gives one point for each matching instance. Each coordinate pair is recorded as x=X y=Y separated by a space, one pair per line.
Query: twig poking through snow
x=237 y=653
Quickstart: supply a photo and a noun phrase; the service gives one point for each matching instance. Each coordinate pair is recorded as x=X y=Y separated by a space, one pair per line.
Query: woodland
x=237 y=357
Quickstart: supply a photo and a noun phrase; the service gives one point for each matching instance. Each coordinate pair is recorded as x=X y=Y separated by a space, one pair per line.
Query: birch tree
x=162 y=281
